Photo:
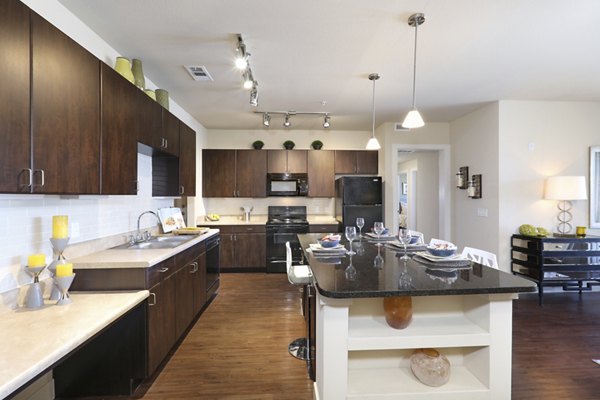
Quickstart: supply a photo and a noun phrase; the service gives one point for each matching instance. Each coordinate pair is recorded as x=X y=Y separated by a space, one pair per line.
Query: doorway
x=427 y=197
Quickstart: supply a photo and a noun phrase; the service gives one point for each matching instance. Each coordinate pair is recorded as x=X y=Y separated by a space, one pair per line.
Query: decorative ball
x=430 y=367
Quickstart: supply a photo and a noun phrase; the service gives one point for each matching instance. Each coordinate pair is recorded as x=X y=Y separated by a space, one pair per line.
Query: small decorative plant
x=317 y=144
x=258 y=144
x=288 y=144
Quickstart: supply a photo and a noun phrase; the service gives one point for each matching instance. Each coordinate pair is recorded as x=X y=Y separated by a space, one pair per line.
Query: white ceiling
x=470 y=52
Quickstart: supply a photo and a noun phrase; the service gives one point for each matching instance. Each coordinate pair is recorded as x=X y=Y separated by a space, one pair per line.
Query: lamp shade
x=373 y=144
x=413 y=119
x=565 y=188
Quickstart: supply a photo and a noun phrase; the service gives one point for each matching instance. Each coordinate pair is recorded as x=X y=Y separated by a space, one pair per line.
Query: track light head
x=287 y=122
x=241 y=58
x=248 y=81
x=326 y=122
x=254 y=96
x=266 y=119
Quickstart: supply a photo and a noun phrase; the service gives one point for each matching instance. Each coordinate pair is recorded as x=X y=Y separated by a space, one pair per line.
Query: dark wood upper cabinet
x=119 y=128
x=367 y=162
x=15 y=141
x=150 y=119
x=65 y=113
x=187 y=160
x=356 y=162
x=292 y=161
x=169 y=138
x=321 y=175
x=218 y=173
x=251 y=173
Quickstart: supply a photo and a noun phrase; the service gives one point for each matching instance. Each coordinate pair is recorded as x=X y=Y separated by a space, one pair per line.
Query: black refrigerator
x=359 y=196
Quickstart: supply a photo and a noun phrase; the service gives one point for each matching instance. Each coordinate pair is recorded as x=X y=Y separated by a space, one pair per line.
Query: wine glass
x=378 y=260
x=404 y=237
x=378 y=229
x=360 y=222
x=350 y=272
x=350 y=235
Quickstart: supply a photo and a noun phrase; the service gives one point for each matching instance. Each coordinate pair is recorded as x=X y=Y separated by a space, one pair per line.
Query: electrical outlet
x=531 y=146
x=482 y=212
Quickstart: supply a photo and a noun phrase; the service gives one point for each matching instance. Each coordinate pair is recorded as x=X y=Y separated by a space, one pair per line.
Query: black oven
x=284 y=224
x=212 y=265
x=287 y=184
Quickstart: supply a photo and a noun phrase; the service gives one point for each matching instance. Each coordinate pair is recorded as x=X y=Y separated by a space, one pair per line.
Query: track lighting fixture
x=287 y=122
x=243 y=63
x=266 y=119
x=413 y=118
x=373 y=143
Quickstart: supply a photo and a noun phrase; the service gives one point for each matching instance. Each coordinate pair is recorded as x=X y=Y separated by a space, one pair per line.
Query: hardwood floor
x=238 y=348
x=553 y=347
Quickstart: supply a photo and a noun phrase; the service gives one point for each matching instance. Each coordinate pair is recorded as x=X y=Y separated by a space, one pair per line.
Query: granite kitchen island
x=465 y=314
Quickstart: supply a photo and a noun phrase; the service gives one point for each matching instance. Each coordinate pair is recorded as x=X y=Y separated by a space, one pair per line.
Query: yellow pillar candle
x=36 y=260
x=60 y=227
x=64 y=270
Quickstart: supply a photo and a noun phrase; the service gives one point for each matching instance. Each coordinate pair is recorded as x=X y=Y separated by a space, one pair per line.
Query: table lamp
x=565 y=189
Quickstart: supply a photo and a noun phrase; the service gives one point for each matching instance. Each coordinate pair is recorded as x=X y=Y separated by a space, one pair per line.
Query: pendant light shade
x=413 y=119
x=373 y=143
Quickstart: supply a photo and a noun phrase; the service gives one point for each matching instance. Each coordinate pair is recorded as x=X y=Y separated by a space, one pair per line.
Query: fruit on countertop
x=213 y=217
x=331 y=237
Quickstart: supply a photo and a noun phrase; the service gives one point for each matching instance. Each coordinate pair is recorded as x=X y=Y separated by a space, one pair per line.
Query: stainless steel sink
x=158 y=242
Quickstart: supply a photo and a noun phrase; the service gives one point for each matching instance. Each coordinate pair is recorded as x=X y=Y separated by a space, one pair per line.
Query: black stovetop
x=283 y=215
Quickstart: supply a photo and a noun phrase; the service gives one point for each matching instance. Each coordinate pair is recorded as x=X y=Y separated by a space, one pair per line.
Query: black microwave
x=287 y=184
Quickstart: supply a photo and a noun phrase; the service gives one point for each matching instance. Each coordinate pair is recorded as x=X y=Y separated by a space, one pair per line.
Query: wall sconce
x=474 y=187
x=462 y=178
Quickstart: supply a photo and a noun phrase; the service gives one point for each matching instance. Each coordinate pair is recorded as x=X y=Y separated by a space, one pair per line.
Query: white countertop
x=129 y=258
x=32 y=340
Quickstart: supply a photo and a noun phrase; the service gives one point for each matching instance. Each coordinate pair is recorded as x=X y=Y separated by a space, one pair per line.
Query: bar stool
x=481 y=256
x=298 y=275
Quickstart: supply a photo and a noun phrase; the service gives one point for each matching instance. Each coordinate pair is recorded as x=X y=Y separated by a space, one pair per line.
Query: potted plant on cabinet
x=258 y=144
x=288 y=144
x=317 y=144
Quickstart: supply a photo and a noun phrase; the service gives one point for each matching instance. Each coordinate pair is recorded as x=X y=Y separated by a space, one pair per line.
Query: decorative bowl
x=328 y=243
x=441 y=252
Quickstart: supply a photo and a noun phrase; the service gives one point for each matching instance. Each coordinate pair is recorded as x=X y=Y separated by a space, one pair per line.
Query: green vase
x=123 y=67
x=162 y=98
x=138 y=73
x=150 y=93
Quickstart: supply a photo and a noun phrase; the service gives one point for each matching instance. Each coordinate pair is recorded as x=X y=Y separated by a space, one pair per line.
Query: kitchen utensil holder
x=33 y=298
x=59 y=246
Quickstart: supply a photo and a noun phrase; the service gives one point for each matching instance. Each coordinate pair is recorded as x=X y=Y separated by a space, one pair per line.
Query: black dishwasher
x=212 y=265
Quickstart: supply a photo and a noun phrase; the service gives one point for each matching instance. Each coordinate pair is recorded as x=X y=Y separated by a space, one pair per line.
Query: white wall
x=474 y=139
x=561 y=134
x=25 y=220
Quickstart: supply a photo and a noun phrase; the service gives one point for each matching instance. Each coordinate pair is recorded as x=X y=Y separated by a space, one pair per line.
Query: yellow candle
x=60 y=226
x=36 y=260
x=64 y=270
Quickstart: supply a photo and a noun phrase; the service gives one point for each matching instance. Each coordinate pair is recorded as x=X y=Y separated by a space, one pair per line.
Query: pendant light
x=373 y=143
x=413 y=118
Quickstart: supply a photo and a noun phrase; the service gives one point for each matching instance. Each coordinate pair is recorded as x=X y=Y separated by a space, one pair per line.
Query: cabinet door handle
x=30 y=173
x=153 y=301
x=181 y=189
x=163 y=270
x=166 y=143
x=43 y=177
x=195 y=269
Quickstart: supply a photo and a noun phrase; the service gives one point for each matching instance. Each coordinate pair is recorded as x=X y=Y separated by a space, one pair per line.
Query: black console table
x=569 y=262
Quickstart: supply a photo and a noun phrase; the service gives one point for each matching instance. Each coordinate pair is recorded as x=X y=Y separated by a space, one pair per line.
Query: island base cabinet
x=359 y=356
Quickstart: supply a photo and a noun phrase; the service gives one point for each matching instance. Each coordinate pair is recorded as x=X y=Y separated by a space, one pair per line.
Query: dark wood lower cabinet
x=161 y=322
x=243 y=248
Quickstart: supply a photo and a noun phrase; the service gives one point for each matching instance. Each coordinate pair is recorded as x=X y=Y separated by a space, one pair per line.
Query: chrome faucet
x=139 y=237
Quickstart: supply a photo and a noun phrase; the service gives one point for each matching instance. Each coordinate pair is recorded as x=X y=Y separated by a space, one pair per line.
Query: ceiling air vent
x=198 y=72
x=398 y=127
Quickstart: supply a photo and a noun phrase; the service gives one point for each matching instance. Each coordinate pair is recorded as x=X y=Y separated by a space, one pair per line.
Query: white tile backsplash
x=26 y=225
x=233 y=206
